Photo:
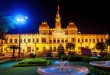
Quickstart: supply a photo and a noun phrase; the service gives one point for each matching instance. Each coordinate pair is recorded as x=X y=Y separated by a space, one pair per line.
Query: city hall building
x=50 y=38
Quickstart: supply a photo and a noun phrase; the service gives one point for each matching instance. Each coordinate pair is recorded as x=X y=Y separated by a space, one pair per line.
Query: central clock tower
x=58 y=19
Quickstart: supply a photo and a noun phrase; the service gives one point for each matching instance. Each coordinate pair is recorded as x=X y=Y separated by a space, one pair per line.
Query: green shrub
x=33 y=62
x=98 y=71
x=86 y=58
x=74 y=58
x=100 y=59
x=64 y=57
x=21 y=65
x=89 y=59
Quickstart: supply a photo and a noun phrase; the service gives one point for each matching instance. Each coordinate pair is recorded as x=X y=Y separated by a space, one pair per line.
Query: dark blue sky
x=89 y=16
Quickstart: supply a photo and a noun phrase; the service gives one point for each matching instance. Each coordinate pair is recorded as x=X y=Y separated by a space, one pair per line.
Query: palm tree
x=13 y=47
x=70 y=46
x=6 y=22
x=101 y=46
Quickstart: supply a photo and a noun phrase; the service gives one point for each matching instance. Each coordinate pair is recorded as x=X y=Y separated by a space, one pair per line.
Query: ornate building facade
x=50 y=38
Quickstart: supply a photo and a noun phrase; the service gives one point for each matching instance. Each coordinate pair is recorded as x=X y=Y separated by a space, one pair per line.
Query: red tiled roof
x=44 y=25
x=71 y=25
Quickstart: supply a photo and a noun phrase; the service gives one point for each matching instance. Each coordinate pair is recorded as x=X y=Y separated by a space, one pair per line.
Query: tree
x=60 y=51
x=13 y=47
x=108 y=41
x=6 y=22
x=101 y=46
x=70 y=46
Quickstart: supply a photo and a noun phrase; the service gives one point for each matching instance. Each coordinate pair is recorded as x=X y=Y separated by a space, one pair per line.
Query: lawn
x=7 y=69
x=19 y=71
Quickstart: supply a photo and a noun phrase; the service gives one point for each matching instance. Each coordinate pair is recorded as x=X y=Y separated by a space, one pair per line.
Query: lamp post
x=19 y=46
x=20 y=19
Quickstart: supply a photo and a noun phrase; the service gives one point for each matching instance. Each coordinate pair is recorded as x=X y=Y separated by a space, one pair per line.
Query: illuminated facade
x=50 y=38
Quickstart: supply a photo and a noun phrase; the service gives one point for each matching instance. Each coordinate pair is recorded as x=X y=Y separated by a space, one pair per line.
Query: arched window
x=82 y=40
x=66 y=40
x=50 y=40
x=78 y=40
x=29 y=40
x=97 y=40
x=43 y=40
x=28 y=49
x=72 y=40
x=93 y=40
x=101 y=40
x=50 y=48
x=89 y=40
x=24 y=40
x=44 y=48
x=15 y=40
x=54 y=40
x=54 y=49
x=62 y=40
x=58 y=40
x=37 y=40
x=6 y=40
x=11 y=40
x=86 y=40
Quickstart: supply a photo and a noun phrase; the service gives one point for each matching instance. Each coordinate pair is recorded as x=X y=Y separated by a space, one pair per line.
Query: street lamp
x=20 y=19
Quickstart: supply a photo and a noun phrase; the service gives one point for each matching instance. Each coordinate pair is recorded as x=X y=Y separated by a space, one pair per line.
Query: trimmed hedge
x=84 y=58
x=32 y=62
x=89 y=59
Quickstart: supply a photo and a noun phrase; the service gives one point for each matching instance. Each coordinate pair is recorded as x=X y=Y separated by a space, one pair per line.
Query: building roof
x=71 y=25
x=44 y=25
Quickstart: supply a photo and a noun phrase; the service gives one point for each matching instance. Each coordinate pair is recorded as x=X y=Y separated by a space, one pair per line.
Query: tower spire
x=58 y=9
x=58 y=18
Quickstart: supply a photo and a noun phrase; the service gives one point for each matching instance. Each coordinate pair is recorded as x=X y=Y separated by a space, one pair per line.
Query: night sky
x=90 y=16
